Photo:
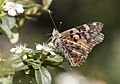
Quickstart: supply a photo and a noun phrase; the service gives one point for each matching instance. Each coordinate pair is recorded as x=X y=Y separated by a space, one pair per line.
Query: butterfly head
x=56 y=33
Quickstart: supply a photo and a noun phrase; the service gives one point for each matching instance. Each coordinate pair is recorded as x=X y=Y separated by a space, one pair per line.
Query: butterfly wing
x=74 y=53
x=76 y=43
x=87 y=35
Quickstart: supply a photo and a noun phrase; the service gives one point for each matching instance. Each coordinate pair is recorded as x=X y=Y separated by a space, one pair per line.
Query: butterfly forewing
x=76 y=43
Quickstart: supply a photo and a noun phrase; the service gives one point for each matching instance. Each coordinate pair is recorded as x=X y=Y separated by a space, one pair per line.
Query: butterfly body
x=74 y=44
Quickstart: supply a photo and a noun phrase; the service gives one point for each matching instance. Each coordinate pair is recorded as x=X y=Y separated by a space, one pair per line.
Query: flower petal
x=13 y=8
x=13 y=49
x=19 y=8
x=39 y=47
x=12 y=12
x=9 y=3
x=27 y=49
x=18 y=51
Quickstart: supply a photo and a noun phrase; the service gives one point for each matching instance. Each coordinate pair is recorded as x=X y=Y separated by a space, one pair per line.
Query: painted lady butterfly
x=74 y=44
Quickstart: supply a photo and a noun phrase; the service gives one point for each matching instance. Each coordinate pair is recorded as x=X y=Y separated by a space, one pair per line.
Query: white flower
x=19 y=8
x=12 y=49
x=13 y=8
x=12 y=12
x=16 y=50
x=7 y=6
x=39 y=47
x=45 y=48
x=49 y=50
x=20 y=48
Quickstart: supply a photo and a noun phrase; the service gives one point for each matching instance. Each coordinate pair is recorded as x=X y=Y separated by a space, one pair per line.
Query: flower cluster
x=13 y=8
x=42 y=54
x=26 y=58
x=23 y=49
x=45 y=48
x=20 y=48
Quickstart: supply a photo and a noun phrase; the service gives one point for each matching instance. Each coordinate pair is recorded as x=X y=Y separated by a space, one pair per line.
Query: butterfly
x=74 y=44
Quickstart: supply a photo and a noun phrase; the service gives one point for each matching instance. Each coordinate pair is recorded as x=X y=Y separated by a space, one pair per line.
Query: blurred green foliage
x=8 y=67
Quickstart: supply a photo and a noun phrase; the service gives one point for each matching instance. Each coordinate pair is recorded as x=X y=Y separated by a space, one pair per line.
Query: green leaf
x=5 y=81
x=1 y=3
x=60 y=69
x=20 y=66
x=15 y=38
x=34 y=65
x=42 y=76
x=8 y=21
x=46 y=3
x=2 y=14
x=7 y=24
x=56 y=58
x=5 y=68
x=1 y=9
x=15 y=58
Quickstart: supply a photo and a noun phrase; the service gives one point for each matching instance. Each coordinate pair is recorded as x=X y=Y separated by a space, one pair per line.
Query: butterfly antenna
x=52 y=19
x=59 y=25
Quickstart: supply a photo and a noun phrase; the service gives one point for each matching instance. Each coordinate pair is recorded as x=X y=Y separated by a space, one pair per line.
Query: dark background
x=103 y=62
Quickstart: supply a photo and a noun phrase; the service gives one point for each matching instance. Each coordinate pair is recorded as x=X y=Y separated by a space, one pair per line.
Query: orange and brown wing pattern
x=87 y=35
x=76 y=43
x=76 y=53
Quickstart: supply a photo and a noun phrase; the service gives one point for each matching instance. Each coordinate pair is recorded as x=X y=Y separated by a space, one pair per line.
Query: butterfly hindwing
x=77 y=54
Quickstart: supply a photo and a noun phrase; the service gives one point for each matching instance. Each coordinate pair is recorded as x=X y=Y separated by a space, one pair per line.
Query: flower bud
x=24 y=57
